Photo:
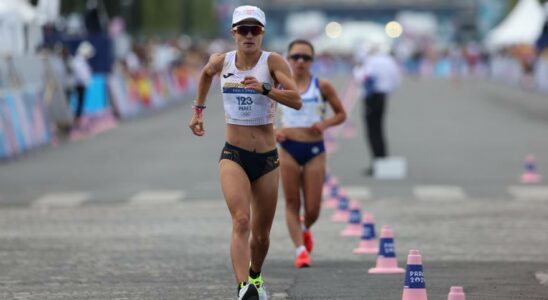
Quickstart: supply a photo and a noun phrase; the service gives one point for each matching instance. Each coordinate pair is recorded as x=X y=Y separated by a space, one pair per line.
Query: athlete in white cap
x=249 y=162
x=302 y=154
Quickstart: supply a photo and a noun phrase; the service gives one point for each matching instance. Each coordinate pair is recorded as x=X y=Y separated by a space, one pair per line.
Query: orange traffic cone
x=386 y=260
x=415 y=286
x=456 y=293
x=530 y=175
x=368 y=242
x=353 y=227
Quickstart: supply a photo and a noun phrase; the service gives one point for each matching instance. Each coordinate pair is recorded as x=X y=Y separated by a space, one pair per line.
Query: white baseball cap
x=246 y=12
x=86 y=49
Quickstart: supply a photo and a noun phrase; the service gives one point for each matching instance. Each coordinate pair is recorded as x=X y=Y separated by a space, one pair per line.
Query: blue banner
x=386 y=248
x=16 y=122
x=334 y=191
x=414 y=277
x=23 y=123
x=343 y=203
x=8 y=131
x=103 y=60
x=96 y=95
x=238 y=90
x=4 y=149
x=368 y=232
x=355 y=216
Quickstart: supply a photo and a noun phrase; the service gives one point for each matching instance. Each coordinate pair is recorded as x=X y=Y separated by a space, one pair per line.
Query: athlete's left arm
x=289 y=95
x=330 y=94
x=279 y=70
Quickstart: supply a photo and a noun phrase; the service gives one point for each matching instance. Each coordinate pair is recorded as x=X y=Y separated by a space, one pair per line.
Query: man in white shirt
x=380 y=75
x=82 y=76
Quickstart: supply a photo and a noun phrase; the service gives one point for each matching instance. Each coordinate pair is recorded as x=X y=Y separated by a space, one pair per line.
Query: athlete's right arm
x=213 y=67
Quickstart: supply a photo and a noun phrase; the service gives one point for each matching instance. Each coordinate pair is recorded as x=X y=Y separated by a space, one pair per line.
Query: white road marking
x=61 y=200
x=439 y=192
x=156 y=197
x=542 y=277
x=529 y=192
x=360 y=192
x=279 y=296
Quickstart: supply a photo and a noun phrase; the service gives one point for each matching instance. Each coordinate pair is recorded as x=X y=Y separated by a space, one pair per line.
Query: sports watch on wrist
x=267 y=87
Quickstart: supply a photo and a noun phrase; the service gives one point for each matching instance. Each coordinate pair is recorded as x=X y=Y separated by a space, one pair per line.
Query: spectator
x=380 y=76
x=82 y=73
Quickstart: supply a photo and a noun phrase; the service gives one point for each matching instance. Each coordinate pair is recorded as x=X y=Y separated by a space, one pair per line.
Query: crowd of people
x=521 y=65
x=144 y=67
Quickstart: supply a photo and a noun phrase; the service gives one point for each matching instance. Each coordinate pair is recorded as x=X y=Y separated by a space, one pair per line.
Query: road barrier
x=32 y=106
x=23 y=122
x=135 y=94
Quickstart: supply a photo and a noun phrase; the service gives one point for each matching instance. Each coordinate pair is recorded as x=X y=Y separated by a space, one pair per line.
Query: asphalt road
x=137 y=213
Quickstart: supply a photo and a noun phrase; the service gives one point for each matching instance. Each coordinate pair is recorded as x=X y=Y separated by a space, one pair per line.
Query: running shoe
x=308 y=241
x=259 y=284
x=302 y=260
x=248 y=291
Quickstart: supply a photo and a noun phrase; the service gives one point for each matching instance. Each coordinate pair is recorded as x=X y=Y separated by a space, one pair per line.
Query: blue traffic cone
x=368 y=242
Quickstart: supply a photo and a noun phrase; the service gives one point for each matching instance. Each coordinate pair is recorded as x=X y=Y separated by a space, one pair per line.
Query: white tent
x=305 y=24
x=49 y=10
x=522 y=26
x=20 y=8
x=20 y=30
x=418 y=23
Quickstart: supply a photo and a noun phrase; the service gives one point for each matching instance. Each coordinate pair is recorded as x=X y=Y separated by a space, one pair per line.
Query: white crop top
x=312 y=111
x=246 y=106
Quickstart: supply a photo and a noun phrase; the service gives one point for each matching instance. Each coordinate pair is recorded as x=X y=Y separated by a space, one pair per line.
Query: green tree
x=157 y=17
x=161 y=16
x=203 y=22
x=169 y=17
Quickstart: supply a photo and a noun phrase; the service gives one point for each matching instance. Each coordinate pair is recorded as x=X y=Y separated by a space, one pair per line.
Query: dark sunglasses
x=246 y=29
x=298 y=56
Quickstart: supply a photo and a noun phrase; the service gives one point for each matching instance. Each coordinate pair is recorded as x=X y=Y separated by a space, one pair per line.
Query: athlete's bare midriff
x=302 y=134
x=252 y=138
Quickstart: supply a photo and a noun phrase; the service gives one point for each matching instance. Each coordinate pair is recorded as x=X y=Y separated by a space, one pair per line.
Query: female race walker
x=302 y=154
x=249 y=160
